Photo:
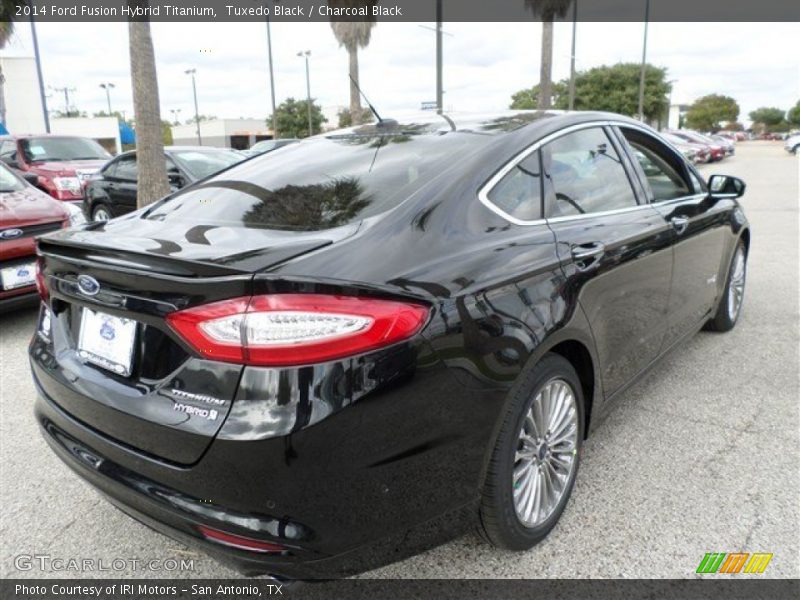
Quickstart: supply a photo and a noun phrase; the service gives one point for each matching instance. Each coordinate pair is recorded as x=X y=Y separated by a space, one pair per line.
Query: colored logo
x=88 y=285
x=736 y=562
x=10 y=234
x=107 y=331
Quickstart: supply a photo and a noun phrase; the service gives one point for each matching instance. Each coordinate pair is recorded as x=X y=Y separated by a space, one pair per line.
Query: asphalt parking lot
x=701 y=456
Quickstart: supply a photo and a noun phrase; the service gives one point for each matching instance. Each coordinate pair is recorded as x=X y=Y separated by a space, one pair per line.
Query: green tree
x=529 y=98
x=793 y=115
x=769 y=116
x=707 y=112
x=353 y=34
x=346 y=119
x=547 y=10
x=292 y=118
x=200 y=119
x=612 y=88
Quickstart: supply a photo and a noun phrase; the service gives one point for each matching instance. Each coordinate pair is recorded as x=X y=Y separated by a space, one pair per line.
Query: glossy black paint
x=361 y=461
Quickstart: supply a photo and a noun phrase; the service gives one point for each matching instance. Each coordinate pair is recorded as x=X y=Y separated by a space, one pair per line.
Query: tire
x=730 y=305
x=101 y=212
x=504 y=509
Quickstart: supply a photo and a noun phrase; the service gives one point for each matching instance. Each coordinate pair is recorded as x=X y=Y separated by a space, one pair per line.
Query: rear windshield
x=320 y=183
x=202 y=163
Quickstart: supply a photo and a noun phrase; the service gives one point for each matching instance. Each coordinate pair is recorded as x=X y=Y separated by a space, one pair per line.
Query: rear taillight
x=294 y=329
x=240 y=542
x=41 y=286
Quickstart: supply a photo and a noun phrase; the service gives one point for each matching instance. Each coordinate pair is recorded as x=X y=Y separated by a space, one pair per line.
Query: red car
x=25 y=213
x=717 y=151
x=62 y=163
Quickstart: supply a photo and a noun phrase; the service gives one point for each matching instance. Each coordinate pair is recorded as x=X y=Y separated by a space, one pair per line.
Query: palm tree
x=6 y=30
x=547 y=10
x=354 y=34
x=152 y=181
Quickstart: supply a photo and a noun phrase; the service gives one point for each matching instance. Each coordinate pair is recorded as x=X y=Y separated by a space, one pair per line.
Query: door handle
x=588 y=254
x=679 y=224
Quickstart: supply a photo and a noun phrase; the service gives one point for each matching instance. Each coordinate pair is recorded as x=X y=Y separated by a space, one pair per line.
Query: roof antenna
x=381 y=122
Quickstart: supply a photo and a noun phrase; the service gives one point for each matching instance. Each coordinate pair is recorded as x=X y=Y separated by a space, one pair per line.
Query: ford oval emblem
x=88 y=285
x=10 y=234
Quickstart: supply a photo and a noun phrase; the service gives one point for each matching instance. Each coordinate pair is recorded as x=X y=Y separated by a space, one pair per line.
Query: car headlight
x=67 y=184
x=76 y=216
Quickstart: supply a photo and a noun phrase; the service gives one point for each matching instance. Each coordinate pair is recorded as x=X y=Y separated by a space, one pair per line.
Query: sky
x=484 y=63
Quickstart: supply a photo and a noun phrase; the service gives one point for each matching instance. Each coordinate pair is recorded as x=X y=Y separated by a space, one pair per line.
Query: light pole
x=644 y=60
x=305 y=54
x=572 y=56
x=271 y=82
x=192 y=72
x=39 y=77
x=108 y=87
x=175 y=112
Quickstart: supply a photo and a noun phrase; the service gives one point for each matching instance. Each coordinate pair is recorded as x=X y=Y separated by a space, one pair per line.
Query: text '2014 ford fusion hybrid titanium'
x=333 y=356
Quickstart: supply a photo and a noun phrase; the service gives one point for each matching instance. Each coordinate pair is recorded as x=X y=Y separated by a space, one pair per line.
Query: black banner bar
x=398 y=10
x=711 y=588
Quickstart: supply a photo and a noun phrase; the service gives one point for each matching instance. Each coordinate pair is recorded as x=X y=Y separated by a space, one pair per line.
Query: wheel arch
x=578 y=355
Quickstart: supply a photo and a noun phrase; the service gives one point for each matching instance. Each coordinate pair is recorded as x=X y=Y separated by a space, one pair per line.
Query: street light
x=271 y=82
x=305 y=54
x=175 y=112
x=108 y=87
x=66 y=90
x=192 y=72
x=644 y=60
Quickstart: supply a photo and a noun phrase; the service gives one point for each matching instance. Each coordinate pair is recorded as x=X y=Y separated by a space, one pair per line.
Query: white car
x=793 y=144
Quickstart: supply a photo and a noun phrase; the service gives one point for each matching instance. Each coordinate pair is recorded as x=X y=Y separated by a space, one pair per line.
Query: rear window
x=320 y=183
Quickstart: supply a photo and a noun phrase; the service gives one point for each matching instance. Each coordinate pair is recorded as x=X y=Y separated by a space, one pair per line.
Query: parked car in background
x=715 y=149
x=112 y=191
x=793 y=144
x=25 y=212
x=701 y=152
x=61 y=163
x=726 y=142
x=268 y=146
x=350 y=350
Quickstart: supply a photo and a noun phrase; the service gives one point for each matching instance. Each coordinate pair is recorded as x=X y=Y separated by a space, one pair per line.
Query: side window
x=665 y=181
x=586 y=175
x=664 y=171
x=126 y=168
x=8 y=149
x=519 y=192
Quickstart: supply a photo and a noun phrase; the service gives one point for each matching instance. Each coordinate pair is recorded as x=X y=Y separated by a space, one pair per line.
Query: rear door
x=614 y=248
x=697 y=223
x=122 y=185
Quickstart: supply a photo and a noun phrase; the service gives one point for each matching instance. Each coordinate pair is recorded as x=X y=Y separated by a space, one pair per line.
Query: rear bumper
x=340 y=503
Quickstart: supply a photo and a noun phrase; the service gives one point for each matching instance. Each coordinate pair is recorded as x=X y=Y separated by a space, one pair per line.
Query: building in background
x=104 y=130
x=223 y=133
x=24 y=111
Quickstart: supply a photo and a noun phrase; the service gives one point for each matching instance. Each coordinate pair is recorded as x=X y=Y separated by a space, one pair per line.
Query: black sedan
x=112 y=191
x=342 y=353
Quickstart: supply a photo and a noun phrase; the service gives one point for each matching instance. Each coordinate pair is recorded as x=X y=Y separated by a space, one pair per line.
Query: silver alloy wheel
x=546 y=452
x=101 y=214
x=736 y=286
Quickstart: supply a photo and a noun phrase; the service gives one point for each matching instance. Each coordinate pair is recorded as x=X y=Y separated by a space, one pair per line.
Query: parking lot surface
x=701 y=456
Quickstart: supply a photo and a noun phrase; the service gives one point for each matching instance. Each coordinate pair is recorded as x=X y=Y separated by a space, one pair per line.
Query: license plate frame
x=12 y=274
x=107 y=341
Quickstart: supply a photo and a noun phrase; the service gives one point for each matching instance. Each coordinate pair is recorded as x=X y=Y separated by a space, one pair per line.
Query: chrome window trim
x=483 y=193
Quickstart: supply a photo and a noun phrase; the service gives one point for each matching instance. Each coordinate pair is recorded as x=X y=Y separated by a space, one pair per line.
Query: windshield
x=321 y=183
x=62 y=148
x=202 y=163
x=9 y=182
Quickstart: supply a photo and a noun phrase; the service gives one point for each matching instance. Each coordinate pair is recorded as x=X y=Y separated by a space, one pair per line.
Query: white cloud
x=484 y=63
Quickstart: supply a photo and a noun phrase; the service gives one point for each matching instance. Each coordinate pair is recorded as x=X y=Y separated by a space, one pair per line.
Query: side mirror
x=31 y=178
x=725 y=186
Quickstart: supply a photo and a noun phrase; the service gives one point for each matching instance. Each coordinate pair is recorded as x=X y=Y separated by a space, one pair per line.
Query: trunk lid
x=171 y=403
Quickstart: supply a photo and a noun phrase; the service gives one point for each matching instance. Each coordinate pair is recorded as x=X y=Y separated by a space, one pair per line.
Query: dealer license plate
x=18 y=276
x=107 y=341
